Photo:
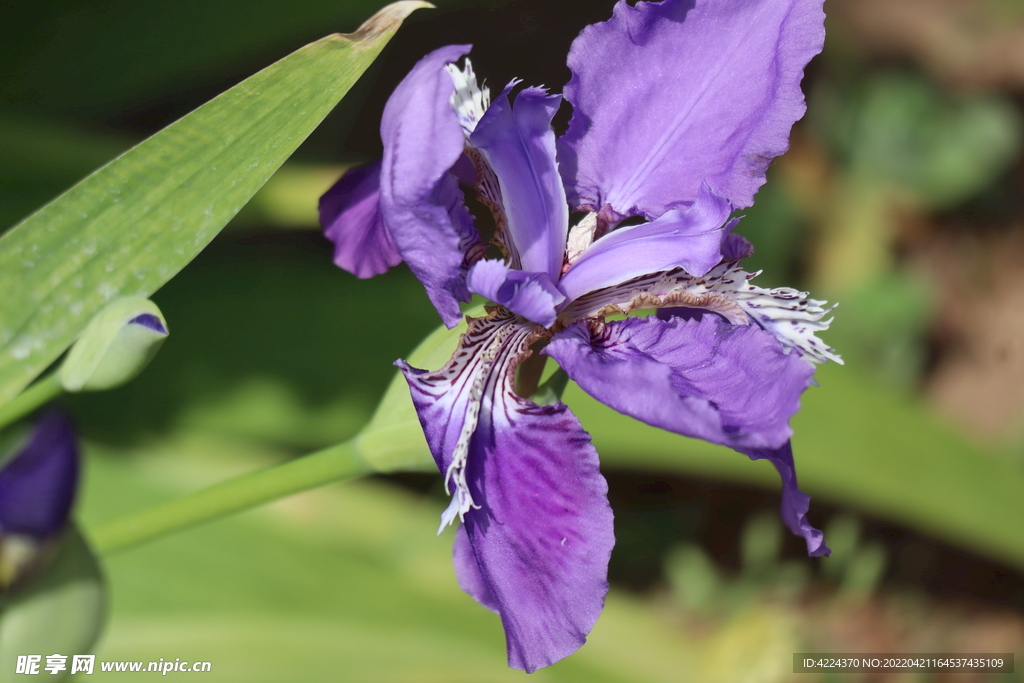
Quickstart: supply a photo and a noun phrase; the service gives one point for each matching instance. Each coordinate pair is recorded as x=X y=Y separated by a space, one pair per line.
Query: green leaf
x=131 y=226
x=59 y=611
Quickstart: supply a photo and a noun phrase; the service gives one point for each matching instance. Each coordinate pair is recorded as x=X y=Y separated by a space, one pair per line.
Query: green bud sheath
x=115 y=346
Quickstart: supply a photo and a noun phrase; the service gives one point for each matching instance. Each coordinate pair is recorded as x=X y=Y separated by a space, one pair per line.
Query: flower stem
x=43 y=391
x=336 y=463
x=528 y=374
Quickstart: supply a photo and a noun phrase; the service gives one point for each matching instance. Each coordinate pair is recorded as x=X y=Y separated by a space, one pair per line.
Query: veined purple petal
x=538 y=528
x=668 y=95
x=351 y=218
x=795 y=503
x=531 y=295
x=420 y=199
x=735 y=246
x=517 y=142
x=689 y=239
x=467 y=571
x=701 y=377
x=38 y=485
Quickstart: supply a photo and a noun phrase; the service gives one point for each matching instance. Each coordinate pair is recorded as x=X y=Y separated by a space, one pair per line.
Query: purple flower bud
x=37 y=488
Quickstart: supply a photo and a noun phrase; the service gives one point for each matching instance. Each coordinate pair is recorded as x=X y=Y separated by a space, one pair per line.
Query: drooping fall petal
x=702 y=377
x=537 y=524
x=795 y=503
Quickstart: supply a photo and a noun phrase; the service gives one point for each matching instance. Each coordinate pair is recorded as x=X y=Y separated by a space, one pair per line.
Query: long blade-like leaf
x=133 y=224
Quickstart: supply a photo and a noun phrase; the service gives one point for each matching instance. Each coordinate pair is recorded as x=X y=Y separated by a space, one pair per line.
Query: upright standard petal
x=667 y=95
x=795 y=503
x=518 y=144
x=531 y=295
x=701 y=377
x=37 y=486
x=420 y=199
x=538 y=527
x=351 y=218
x=690 y=239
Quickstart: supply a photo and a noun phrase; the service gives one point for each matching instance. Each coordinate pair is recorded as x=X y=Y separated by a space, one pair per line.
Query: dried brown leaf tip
x=387 y=20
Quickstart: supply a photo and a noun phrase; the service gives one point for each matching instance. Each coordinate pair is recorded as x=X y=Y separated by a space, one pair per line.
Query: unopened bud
x=115 y=346
x=37 y=488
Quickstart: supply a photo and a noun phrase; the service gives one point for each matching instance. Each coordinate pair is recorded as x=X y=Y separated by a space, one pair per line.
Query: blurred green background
x=902 y=197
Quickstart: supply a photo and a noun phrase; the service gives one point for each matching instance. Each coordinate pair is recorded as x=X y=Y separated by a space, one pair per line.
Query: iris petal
x=536 y=543
x=668 y=95
x=690 y=239
x=351 y=218
x=795 y=503
x=704 y=377
x=420 y=199
x=37 y=486
x=518 y=144
x=531 y=295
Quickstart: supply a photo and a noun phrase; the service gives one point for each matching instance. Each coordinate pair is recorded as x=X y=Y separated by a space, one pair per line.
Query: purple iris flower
x=677 y=109
x=37 y=488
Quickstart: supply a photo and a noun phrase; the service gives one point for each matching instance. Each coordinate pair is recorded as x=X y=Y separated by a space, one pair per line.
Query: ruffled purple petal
x=531 y=295
x=538 y=531
x=420 y=199
x=795 y=503
x=517 y=142
x=689 y=239
x=37 y=486
x=351 y=218
x=735 y=246
x=668 y=95
x=701 y=377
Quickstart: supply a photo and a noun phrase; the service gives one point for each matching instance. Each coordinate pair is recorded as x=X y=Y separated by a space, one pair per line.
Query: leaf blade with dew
x=130 y=226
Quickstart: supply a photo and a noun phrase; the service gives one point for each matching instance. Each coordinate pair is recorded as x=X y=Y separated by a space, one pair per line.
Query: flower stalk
x=334 y=464
x=36 y=396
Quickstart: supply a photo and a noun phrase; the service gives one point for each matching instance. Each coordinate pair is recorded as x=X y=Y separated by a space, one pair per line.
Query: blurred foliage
x=92 y=59
x=349 y=581
x=896 y=147
x=60 y=609
x=898 y=129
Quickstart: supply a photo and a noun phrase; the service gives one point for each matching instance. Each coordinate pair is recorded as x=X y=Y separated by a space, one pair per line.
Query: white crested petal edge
x=449 y=400
x=792 y=317
x=469 y=101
